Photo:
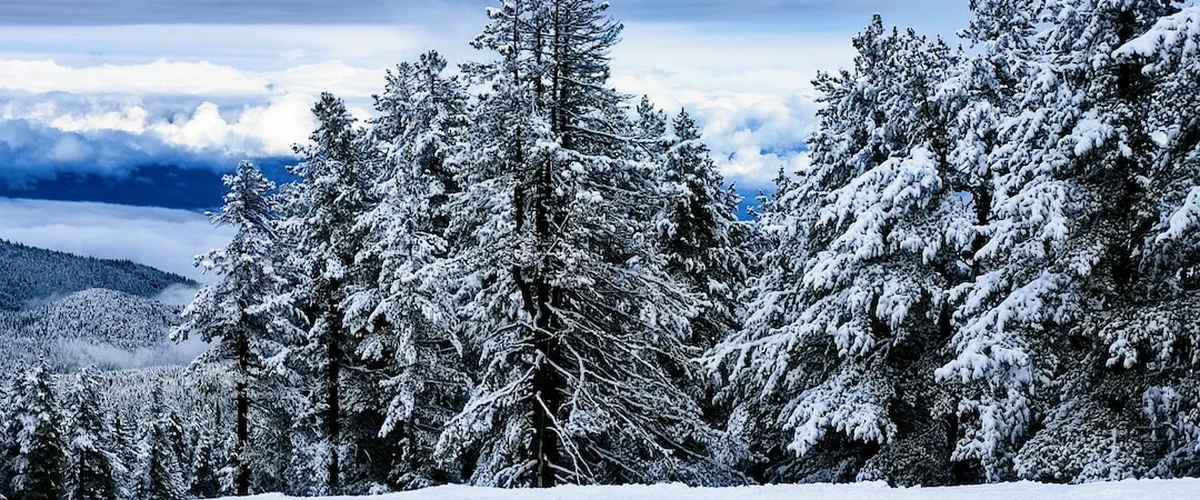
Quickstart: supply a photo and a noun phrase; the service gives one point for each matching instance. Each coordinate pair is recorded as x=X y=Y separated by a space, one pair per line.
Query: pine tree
x=126 y=444
x=574 y=323
x=867 y=243
x=205 y=481
x=701 y=237
x=238 y=312
x=95 y=472
x=403 y=316
x=160 y=475
x=337 y=169
x=37 y=461
x=982 y=93
x=1060 y=264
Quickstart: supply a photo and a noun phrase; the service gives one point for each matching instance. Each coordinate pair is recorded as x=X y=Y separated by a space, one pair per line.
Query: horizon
x=146 y=103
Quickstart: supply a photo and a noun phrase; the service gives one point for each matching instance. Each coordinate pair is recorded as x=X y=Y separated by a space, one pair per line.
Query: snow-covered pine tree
x=835 y=362
x=701 y=237
x=574 y=324
x=37 y=462
x=238 y=313
x=159 y=473
x=1157 y=338
x=983 y=91
x=206 y=482
x=7 y=388
x=94 y=471
x=401 y=315
x=126 y=444
x=1061 y=265
x=343 y=416
x=650 y=132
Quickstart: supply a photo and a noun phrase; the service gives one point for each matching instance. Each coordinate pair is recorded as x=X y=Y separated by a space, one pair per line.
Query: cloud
x=750 y=92
x=402 y=12
x=32 y=151
x=205 y=93
x=45 y=136
x=163 y=76
x=109 y=357
x=178 y=295
x=161 y=238
x=123 y=12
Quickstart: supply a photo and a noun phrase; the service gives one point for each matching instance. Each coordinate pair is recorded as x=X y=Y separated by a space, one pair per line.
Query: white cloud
x=247 y=90
x=751 y=92
x=161 y=238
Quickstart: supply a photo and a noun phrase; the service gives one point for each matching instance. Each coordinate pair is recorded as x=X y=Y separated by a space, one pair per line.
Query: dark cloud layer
x=441 y=12
x=113 y=166
x=115 y=12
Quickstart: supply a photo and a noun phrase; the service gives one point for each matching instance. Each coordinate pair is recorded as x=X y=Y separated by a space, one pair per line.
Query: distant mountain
x=31 y=275
x=99 y=327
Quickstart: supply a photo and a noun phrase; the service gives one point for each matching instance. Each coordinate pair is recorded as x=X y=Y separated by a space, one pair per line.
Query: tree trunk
x=243 y=437
x=242 y=480
x=333 y=371
x=333 y=424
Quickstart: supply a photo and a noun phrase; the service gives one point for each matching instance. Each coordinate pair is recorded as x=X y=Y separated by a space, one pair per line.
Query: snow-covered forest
x=517 y=276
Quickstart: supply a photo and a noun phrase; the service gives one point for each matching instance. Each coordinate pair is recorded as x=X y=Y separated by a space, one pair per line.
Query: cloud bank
x=206 y=95
x=157 y=237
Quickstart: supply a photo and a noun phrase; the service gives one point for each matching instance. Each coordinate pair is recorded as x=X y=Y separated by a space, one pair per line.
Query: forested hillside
x=94 y=327
x=29 y=275
x=515 y=275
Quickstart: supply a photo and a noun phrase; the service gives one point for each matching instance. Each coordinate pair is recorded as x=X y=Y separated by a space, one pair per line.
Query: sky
x=94 y=94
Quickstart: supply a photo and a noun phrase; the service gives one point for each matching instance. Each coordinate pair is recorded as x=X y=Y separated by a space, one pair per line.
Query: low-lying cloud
x=161 y=238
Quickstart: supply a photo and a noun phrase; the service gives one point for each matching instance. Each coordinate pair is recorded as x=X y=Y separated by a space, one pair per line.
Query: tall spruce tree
x=94 y=472
x=1159 y=341
x=37 y=462
x=701 y=237
x=237 y=313
x=837 y=353
x=160 y=474
x=1061 y=264
x=982 y=93
x=574 y=324
x=336 y=171
x=403 y=317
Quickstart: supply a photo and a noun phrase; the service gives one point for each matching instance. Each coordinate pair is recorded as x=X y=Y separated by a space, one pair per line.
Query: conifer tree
x=1061 y=261
x=574 y=324
x=160 y=475
x=237 y=312
x=833 y=366
x=336 y=171
x=701 y=237
x=95 y=472
x=37 y=461
x=403 y=315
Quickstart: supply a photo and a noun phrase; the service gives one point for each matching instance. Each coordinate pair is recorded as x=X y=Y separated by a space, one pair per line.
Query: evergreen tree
x=574 y=324
x=126 y=444
x=95 y=472
x=982 y=93
x=336 y=172
x=160 y=475
x=837 y=351
x=701 y=237
x=37 y=462
x=205 y=481
x=1061 y=261
x=238 y=312
x=404 y=317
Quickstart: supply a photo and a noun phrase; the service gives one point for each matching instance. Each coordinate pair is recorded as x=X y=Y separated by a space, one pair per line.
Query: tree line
x=989 y=271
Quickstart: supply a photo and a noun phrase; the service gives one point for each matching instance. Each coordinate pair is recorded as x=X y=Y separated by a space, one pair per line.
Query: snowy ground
x=1125 y=490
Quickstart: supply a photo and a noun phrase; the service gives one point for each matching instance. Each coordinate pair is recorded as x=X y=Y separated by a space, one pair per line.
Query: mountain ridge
x=29 y=275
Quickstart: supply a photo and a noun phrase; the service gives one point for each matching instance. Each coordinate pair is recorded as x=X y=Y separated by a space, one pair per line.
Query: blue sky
x=98 y=89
